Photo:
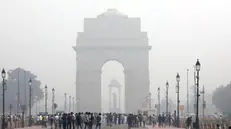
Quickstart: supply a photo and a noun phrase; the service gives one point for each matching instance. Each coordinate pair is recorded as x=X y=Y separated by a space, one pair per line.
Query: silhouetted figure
x=69 y=120
x=119 y=119
x=51 y=119
x=159 y=121
x=115 y=118
x=86 y=120
x=129 y=121
x=91 y=119
x=98 y=121
x=60 y=121
x=110 y=117
x=79 y=121
x=189 y=122
x=163 y=120
x=169 y=119
x=64 y=121
x=140 y=119
x=153 y=119
x=144 y=120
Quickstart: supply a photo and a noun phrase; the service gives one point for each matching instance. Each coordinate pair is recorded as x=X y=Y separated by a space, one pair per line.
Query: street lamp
x=69 y=104
x=30 y=87
x=178 y=99
x=77 y=104
x=73 y=103
x=3 y=98
x=167 y=86
x=198 y=67
x=46 y=97
x=53 y=100
x=65 y=102
x=158 y=100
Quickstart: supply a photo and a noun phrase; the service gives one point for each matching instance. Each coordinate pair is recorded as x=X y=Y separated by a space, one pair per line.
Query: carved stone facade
x=111 y=36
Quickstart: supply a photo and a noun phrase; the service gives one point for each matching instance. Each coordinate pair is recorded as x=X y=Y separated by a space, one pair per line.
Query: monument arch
x=111 y=36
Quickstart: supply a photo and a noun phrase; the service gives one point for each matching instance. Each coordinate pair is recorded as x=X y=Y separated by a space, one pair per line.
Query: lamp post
x=53 y=100
x=3 y=98
x=30 y=87
x=203 y=102
x=198 y=66
x=187 y=94
x=69 y=104
x=73 y=103
x=178 y=99
x=65 y=102
x=10 y=114
x=46 y=99
x=167 y=85
x=158 y=100
x=77 y=104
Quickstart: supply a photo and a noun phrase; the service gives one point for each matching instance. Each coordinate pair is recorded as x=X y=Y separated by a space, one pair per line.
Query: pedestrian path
x=32 y=127
x=107 y=127
x=149 y=127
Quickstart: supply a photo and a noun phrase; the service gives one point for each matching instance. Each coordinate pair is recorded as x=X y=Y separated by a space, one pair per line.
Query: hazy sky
x=38 y=35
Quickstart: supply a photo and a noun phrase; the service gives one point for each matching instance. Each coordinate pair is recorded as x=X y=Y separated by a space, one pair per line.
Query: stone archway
x=111 y=36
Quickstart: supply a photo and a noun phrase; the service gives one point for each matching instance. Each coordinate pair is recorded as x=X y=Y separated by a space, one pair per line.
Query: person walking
x=129 y=121
x=144 y=120
x=159 y=121
x=69 y=120
x=169 y=119
x=86 y=120
x=98 y=121
x=153 y=119
x=64 y=121
x=73 y=119
x=91 y=120
x=79 y=121
x=188 y=122
x=140 y=120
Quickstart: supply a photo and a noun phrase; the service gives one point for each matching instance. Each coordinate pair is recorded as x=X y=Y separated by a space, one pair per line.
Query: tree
x=222 y=97
x=18 y=79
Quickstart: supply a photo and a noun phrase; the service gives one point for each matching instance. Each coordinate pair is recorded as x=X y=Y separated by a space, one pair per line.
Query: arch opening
x=112 y=87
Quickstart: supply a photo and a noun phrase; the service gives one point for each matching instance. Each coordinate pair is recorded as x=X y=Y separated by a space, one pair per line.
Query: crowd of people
x=90 y=120
x=80 y=120
x=15 y=121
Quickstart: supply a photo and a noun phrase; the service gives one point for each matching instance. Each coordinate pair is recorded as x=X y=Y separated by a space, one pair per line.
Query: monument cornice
x=103 y=47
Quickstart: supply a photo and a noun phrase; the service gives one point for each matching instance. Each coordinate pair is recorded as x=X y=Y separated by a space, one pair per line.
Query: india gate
x=111 y=36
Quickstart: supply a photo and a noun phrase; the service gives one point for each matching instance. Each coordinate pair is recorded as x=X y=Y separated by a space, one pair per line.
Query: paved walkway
x=32 y=127
x=164 y=128
x=106 y=127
